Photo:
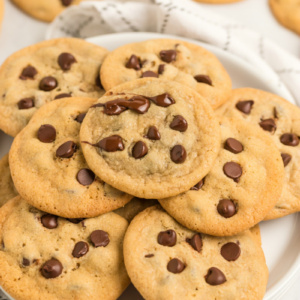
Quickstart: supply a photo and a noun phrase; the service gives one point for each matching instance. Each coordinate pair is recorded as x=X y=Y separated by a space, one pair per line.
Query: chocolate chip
x=85 y=176
x=111 y=144
x=268 y=125
x=233 y=145
x=163 y=100
x=51 y=268
x=46 y=133
x=28 y=73
x=175 y=266
x=245 y=106
x=203 y=79
x=161 y=69
x=75 y=220
x=80 y=117
x=178 y=154
x=66 y=150
x=167 y=55
x=198 y=186
x=48 y=83
x=149 y=255
x=179 y=123
x=167 y=238
x=65 y=61
x=231 y=251
x=286 y=158
x=133 y=63
x=80 y=249
x=99 y=238
x=139 y=150
x=153 y=133
x=289 y=139
x=25 y=262
x=226 y=208
x=149 y=74
x=62 y=95
x=49 y=221
x=66 y=2
x=215 y=277
x=196 y=242
x=26 y=103
x=233 y=170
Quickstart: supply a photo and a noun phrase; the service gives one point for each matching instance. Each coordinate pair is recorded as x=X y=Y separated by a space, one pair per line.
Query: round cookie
x=176 y=60
x=281 y=120
x=48 y=167
x=150 y=138
x=287 y=12
x=7 y=188
x=164 y=260
x=44 y=72
x=241 y=188
x=44 y=10
x=46 y=257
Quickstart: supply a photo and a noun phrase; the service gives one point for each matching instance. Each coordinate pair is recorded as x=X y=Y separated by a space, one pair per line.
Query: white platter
x=280 y=237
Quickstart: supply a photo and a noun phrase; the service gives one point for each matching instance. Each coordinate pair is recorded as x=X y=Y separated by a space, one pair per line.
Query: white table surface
x=20 y=30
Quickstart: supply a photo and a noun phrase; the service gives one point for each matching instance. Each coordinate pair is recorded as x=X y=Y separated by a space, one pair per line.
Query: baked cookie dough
x=243 y=185
x=150 y=138
x=48 y=167
x=164 y=260
x=287 y=12
x=43 y=256
x=180 y=61
x=281 y=121
x=44 y=72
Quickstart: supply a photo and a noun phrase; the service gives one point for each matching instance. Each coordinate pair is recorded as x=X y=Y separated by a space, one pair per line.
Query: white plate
x=280 y=239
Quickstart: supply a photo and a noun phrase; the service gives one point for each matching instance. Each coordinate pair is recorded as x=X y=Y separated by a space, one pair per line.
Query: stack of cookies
x=80 y=217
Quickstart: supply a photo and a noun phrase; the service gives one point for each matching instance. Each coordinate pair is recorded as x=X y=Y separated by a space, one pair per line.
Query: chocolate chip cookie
x=164 y=260
x=49 y=169
x=150 y=138
x=7 y=188
x=43 y=256
x=180 y=61
x=242 y=187
x=281 y=121
x=45 y=72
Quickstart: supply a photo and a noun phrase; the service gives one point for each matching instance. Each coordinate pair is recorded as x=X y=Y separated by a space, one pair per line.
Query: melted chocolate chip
x=133 y=63
x=111 y=144
x=66 y=150
x=226 y=208
x=99 y=238
x=286 y=158
x=289 y=139
x=48 y=83
x=62 y=95
x=66 y=2
x=28 y=73
x=149 y=74
x=203 y=79
x=51 y=268
x=175 y=266
x=153 y=133
x=80 y=249
x=215 y=276
x=233 y=146
x=149 y=255
x=65 y=61
x=233 y=170
x=163 y=100
x=167 y=55
x=167 y=238
x=196 y=242
x=85 y=177
x=179 y=123
x=198 y=186
x=139 y=150
x=268 y=125
x=49 y=221
x=25 y=262
x=161 y=69
x=26 y=103
x=80 y=117
x=245 y=106
x=178 y=154
x=46 y=133
x=231 y=251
